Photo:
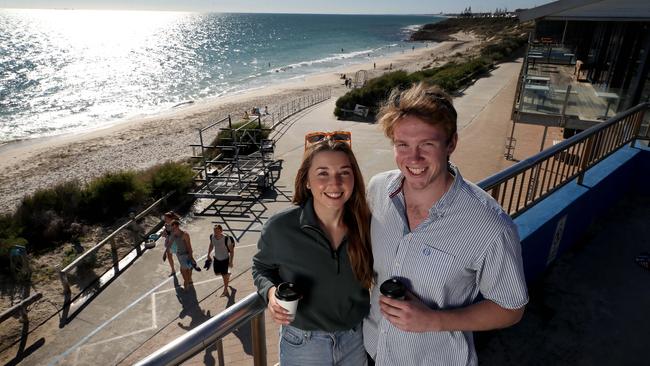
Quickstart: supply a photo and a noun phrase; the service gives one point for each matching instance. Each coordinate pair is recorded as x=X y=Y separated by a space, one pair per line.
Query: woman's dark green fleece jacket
x=293 y=248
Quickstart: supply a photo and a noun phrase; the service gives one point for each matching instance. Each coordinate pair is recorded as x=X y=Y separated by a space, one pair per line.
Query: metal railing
x=20 y=310
x=212 y=331
x=524 y=184
x=110 y=239
x=292 y=107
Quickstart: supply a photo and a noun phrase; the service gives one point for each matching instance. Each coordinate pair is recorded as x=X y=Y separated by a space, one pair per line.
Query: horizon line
x=223 y=12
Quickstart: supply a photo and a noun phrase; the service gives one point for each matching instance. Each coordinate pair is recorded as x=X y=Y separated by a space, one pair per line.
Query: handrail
x=183 y=348
x=63 y=274
x=21 y=308
x=522 y=185
x=292 y=107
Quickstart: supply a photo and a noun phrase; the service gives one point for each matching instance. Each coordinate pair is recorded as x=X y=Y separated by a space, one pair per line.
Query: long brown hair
x=356 y=215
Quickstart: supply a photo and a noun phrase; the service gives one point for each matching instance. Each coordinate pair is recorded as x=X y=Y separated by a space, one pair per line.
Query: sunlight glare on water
x=67 y=70
x=91 y=63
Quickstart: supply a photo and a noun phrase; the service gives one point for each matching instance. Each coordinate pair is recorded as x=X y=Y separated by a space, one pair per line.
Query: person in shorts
x=181 y=241
x=224 y=253
x=168 y=255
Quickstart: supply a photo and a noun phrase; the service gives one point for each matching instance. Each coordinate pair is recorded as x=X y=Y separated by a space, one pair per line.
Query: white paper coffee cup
x=287 y=296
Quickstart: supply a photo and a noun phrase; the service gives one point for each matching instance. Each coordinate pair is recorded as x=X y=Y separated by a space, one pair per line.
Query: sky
x=283 y=6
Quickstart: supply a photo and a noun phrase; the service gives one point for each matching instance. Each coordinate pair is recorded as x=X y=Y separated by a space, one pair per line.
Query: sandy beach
x=140 y=143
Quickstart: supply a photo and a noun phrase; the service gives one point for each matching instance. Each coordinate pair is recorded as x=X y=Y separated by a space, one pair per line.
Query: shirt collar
x=308 y=215
x=396 y=186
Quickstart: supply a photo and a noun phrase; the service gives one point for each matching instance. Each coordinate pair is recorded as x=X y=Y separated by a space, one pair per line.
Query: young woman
x=181 y=240
x=321 y=245
x=168 y=217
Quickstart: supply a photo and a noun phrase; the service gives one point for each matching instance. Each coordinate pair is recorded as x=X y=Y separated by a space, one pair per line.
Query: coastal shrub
x=450 y=77
x=9 y=227
x=112 y=195
x=245 y=133
x=44 y=214
x=503 y=48
x=371 y=95
x=70 y=254
x=171 y=176
x=10 y=233
x=64 y=199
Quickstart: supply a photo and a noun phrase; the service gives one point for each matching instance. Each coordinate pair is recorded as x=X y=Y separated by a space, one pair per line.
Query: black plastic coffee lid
x=393 y=288
x=287 y=291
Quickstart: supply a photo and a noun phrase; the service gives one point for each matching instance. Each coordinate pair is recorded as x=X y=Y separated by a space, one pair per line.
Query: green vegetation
x=171 y=177
x=44 y=220
x=375 y=90
x=70 y=254
x=503 y=48
x=245 y=132
x=440 y=31
x=452 y=76
x=113 y=194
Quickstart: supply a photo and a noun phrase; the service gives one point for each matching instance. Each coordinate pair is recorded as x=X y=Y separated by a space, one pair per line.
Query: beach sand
x=139 y=143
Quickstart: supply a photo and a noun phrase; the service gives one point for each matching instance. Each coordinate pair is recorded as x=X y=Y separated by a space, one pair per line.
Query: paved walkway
x=144 y=308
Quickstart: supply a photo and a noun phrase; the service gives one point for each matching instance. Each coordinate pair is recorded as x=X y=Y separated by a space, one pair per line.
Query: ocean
x=70 y=70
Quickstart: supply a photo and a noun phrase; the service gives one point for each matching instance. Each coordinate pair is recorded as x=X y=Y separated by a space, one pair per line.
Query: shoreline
x=141 y=142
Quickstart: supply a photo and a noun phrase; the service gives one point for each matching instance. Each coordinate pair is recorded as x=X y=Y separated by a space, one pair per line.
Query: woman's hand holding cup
x=279 y=314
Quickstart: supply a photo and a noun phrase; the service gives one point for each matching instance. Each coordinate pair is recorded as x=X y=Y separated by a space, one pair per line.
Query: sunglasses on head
x=335 y=136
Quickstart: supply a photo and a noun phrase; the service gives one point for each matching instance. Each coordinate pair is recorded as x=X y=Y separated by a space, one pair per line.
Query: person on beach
x=181 y=240
x=320 y=244
x=168 y=255
x=441 y=236
x=224 y=254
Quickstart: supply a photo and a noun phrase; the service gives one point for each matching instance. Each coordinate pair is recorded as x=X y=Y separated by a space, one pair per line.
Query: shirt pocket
x=435 y=270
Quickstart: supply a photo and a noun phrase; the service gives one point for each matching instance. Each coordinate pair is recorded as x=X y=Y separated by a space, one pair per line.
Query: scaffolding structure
x=235 y=166
x=236 y=171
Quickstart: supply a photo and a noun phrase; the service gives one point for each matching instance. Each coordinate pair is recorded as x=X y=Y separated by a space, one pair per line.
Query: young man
x=443 y=237
x=224 y=253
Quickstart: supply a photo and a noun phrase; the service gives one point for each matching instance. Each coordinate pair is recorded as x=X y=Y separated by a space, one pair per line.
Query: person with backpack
x=224 y=253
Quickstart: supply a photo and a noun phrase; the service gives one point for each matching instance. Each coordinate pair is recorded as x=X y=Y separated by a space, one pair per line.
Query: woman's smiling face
x=330 y=180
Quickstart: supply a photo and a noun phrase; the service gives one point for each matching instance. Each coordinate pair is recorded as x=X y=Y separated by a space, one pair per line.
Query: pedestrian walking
x=181 y=240
x=168 y=217
x=224 y=253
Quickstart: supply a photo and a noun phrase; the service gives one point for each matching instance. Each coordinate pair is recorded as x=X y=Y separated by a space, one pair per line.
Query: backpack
x=225 y=242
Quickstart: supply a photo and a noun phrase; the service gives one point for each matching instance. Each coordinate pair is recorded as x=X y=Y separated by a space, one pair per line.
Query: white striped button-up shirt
x=466 y=246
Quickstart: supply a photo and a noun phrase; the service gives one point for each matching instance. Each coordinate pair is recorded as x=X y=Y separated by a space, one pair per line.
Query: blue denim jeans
x=314 y=347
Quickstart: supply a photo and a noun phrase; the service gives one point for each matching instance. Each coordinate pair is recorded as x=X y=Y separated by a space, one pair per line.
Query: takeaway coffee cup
x=287 y=296
x=393 y=288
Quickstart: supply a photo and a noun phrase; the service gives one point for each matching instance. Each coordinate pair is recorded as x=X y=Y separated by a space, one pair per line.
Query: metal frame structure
x=235 y=182
x=524 y=184
x=226 y=175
